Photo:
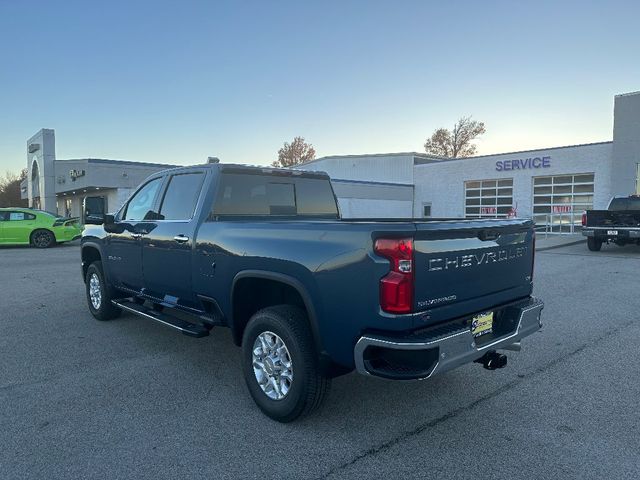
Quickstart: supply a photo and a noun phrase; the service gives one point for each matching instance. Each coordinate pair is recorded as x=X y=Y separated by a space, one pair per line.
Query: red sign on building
x=562 y=209
x=488 y=210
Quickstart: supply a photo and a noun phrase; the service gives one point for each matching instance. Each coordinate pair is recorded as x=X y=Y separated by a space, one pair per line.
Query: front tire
x=280 y=364
x=594 y=244
x=42 y=239
x=99 y=294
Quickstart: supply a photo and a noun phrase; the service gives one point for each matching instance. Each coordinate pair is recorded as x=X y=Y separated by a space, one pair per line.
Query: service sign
x=562 y=209
x=523 y=163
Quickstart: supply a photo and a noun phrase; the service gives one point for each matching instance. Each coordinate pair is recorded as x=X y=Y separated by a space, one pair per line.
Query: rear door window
x=181 y=196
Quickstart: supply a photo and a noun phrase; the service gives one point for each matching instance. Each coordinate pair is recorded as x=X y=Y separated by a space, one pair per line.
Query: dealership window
x=426 y=210
x=488 y=198
x=558 y=201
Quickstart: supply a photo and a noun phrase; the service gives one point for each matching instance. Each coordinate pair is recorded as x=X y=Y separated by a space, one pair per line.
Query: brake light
x=396 y=288
x=584 y=219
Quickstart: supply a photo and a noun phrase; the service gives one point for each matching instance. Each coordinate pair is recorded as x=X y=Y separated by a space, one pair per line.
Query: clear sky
x=175 y=82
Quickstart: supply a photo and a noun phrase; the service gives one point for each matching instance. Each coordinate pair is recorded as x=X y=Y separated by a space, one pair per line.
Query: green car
x=25 y=226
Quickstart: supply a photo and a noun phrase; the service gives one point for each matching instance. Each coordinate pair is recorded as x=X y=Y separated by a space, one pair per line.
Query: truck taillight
x=584 y=219
x=396 y=288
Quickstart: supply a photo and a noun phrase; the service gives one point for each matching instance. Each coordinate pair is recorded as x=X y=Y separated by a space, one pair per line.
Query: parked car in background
x=619 y=223
x=26 y=226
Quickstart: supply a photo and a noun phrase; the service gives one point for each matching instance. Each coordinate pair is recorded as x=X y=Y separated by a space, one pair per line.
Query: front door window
x=140 y=207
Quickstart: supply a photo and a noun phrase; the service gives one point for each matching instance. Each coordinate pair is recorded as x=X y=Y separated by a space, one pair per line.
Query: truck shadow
x=355 y=401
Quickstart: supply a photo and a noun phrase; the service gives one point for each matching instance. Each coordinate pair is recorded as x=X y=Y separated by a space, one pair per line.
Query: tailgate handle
x=488 y=235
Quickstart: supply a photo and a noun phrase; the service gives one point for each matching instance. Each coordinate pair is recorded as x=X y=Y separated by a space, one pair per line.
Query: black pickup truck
x=619 y=223
x=308 y=295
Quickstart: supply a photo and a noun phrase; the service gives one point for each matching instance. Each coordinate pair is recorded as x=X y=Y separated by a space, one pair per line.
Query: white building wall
x=117 y=199
x=442 y=184
x=393 y=168
x=370 y=208
x=626 y=144
x=40 y=170
x=358 y=199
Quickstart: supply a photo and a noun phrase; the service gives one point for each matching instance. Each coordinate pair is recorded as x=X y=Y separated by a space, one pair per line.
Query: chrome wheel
x=272 y=365
x=95 y=292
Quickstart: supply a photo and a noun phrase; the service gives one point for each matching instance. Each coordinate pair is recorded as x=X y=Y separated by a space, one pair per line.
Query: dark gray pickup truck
x=619 y=223
x=307 y=295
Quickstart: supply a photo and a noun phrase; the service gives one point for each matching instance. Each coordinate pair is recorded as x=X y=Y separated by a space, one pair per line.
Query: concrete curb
x=576 y=242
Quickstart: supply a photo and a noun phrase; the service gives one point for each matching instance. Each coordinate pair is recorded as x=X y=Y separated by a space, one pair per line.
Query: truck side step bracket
x=187 y=328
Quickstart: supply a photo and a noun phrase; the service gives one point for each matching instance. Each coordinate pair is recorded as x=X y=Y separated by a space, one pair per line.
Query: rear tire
x=280 y=364
x=99 y=294
x=594 y=244
x=42 y=239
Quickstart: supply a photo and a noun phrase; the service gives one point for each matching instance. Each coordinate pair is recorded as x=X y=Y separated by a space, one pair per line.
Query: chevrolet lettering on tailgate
x=462 y=261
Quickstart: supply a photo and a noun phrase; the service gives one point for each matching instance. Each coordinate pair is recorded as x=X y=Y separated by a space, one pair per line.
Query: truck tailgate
x=460 y=261
x=608 y=218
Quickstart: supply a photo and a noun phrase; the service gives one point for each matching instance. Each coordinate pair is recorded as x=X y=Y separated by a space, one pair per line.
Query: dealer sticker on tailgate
x=482 y=324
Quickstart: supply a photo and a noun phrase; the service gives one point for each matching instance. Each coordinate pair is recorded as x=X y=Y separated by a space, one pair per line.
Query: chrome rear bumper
x=630 y=232
x=441 y=349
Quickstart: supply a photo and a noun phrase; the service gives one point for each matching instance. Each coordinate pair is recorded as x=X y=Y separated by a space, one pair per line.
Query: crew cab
x=308 y=295
x=619 y=223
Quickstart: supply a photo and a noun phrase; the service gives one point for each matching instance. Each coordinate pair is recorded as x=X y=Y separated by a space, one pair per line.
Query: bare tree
x=295 y=153
x=10 y=189
x=455 y=143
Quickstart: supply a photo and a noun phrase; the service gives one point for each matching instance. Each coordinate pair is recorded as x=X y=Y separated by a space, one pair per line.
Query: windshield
x=630 y=203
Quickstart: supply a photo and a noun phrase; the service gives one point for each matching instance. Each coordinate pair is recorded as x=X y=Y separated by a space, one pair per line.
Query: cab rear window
x=272 y=195
x=630 y=203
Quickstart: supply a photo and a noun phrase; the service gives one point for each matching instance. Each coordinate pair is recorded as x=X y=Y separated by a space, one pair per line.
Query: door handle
x=136 y=235
x=181 y=238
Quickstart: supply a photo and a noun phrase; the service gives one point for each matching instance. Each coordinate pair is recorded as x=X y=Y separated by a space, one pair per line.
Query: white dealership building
x=61 y=186
x=551 y=185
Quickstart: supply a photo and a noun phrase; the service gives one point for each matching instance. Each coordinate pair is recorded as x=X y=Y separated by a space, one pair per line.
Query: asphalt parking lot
x=132 y=399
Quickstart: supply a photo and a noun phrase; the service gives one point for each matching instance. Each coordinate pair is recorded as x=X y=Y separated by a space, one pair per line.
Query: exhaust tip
x=493 y=360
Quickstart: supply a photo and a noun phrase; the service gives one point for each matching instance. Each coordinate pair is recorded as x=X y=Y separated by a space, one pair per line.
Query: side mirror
x=111 y=226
